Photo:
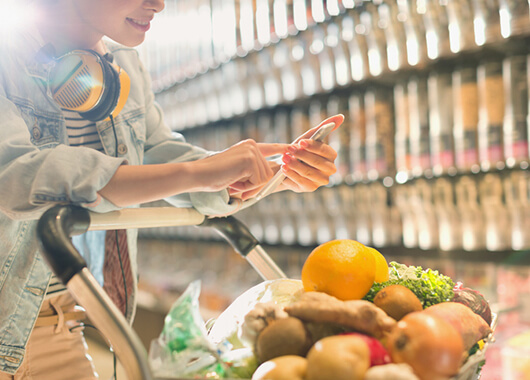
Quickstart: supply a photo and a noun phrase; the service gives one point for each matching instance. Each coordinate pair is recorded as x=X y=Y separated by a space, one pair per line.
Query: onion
x=430 y=345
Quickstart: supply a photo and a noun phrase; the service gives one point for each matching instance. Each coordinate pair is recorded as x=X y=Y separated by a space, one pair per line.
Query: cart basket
x=58 y=224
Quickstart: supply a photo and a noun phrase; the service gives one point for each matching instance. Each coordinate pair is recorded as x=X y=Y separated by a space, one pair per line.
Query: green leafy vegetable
x=428 y=285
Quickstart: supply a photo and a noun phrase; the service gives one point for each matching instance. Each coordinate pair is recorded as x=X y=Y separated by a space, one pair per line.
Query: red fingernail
x=304 y=143
x=286 y=158
x=292 y=149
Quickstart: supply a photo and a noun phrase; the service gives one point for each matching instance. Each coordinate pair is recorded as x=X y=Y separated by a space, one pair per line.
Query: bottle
x=211 y=97
x=461 y=29
x=341 y=54
x=439 y=85
x=318 y=11
x=447 y=215
x=281 y=18
x=470 y=213
x=255 y=83
x=486 y=21
x=375 y=39
x=361 y=203
x=513 y=17
x=357 y=149
x=264 y=24
x=496 y=217
x=300 y=15
x=436 y=26
x=340 y=139
x=246 y=27
x=515 y=126
x=381 y=214
x=272 y=87
x=405 y=199
x=402 y=135
x=291 y=86
x=427 y=222
x=491 y=115
x=396 y=40
x=516 y=194
x=416 y=44
x=309 y=65
x=299 y=120
x=465 y=97
x=379 y=133
x=419 y=127
x=322 y=51
x=354 y=33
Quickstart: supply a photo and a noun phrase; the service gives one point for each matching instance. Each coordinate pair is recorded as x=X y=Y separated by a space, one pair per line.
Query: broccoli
x=428 y=285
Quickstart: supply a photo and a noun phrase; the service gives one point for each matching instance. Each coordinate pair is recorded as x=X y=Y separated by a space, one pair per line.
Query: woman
x=117 y=161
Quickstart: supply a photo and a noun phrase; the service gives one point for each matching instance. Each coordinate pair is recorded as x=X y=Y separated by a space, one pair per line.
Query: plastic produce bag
x=183 y=348
x=227 y=326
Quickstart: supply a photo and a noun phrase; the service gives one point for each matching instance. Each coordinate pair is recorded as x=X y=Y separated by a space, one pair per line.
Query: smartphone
x=319 y=135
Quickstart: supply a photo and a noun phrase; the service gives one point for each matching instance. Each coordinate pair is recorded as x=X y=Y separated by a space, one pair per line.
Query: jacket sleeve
x=33 y=179
x=163 y=145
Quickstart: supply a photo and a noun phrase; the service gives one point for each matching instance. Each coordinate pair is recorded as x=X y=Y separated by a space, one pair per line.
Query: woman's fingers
x=312 y=148
x=296 y=169
x=268 y=150
x=337 y=119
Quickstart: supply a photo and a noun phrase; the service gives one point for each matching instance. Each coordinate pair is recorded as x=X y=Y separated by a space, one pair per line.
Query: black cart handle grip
x=54 y=229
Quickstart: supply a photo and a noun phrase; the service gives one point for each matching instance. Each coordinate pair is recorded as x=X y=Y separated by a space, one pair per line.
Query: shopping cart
x=59 y=223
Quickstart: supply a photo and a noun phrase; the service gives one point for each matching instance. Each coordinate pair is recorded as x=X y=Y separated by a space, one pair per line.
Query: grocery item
x=400 y=371
x=406 y=328
x=286 y=336
x=289 y=367
x=431 y=346
x=343 y=268
x=357 y=315
x=228 y=325
x=469 y=325
x=474 y=300
x=378 y=353
x=339 y=357
x=397 y=301
x=381 y=266
x=428 y=285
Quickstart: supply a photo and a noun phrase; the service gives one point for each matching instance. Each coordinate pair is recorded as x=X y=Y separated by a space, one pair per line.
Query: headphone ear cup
x=110 y=95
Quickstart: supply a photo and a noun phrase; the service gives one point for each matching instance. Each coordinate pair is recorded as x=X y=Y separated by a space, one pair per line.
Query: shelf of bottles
x=434 y=150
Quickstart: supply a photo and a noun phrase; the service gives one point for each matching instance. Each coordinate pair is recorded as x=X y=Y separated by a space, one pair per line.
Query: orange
x=342 y=268
x=381 y=266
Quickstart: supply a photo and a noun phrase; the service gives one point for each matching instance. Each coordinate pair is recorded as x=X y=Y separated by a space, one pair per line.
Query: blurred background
x=433 y=155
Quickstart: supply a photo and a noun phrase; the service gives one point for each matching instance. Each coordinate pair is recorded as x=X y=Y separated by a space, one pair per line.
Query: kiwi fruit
x=397 y=301
x=285 y=336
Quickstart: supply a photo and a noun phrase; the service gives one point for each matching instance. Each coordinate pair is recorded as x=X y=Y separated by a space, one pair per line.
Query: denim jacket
x=38 y=170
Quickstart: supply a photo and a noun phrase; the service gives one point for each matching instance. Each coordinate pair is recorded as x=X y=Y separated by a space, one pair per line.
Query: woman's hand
x=308 y=164
x=242 y=168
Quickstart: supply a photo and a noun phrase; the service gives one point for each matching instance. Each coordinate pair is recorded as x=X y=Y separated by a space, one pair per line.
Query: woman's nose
x=156 y=5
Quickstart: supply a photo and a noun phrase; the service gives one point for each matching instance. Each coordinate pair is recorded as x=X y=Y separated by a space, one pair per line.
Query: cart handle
x=59 y=223
x=54 y=230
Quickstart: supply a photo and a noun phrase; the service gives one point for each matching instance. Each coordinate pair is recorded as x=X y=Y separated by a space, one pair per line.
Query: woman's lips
x=142 y=26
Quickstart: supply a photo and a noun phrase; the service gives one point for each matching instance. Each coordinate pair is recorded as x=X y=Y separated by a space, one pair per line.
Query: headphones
x=90 y=84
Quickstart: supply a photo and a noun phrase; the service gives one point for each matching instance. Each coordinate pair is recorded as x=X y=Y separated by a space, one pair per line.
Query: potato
x=397 y=301
x=338 y=357
x=289 y=367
